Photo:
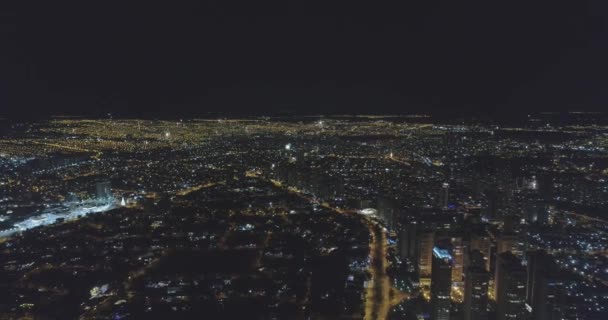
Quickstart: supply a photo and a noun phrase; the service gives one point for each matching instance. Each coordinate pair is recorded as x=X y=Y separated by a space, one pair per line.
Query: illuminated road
x=380 y=295
x=587 y=218
x=378 y=288
x=399 y=160
x=388 y=157
x=98 y=154
x=185 y=192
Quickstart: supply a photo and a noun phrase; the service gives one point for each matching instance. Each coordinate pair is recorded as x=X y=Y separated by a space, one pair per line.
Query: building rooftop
x=442 y=253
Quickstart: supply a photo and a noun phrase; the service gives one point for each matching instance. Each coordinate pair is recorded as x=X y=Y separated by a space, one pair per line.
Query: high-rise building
x=507 y=242
x=103 y=190
x=476 y=288
x=483 y=243
x=444 y=195
x=545 y=287
x=408 y=244
x=441 y=284
x=458 y=265
x=495 y=201
x=476 y=259
x=510 y=287
x=533 y=261
x=425 y=257
x=387 y=211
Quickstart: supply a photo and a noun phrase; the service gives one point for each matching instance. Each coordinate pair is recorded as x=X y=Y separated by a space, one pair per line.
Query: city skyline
x=270 y=160
x=364 y=217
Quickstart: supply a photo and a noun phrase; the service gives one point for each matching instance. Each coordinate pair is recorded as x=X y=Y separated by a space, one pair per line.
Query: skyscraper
x=510 y=287
x=545 y=288
x=441 y=284
x=507 y=242
x=425 y=257
x=408 y=244
x=495 y=201
x=444 y=195
x=387 y=210
x=476 y=288
x=458 y=256
x=481 y=241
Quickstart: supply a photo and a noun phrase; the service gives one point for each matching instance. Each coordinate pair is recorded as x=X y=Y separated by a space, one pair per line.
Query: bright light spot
x=368 y=211
x=288 y=146
x=534 y=185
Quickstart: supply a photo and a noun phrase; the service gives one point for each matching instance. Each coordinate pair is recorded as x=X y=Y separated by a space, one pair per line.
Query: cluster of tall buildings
x=485 y=276
x=479 y=270
x=468 y=242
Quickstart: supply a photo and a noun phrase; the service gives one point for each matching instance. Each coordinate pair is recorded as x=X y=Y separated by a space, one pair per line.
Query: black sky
x=189 y=58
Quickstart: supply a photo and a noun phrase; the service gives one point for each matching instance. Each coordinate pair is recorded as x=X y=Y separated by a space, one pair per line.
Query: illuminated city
x=309 y=217
x=303 y=160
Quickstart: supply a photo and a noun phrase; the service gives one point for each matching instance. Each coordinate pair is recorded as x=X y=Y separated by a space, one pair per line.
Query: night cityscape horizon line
x=360 y=217
x=437 y=115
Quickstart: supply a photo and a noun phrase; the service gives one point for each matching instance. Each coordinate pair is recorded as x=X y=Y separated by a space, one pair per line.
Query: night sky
x=268 y=57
